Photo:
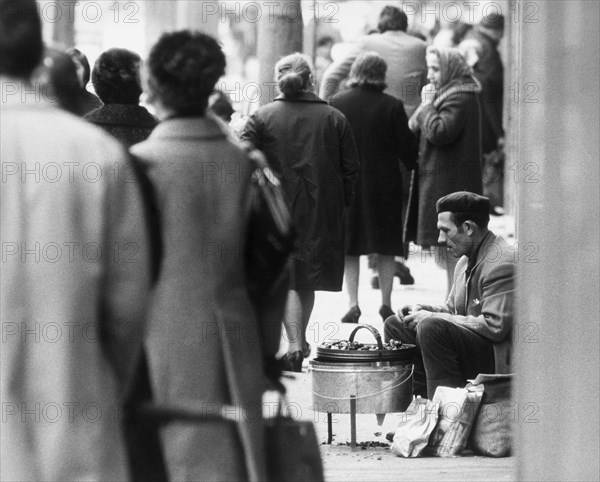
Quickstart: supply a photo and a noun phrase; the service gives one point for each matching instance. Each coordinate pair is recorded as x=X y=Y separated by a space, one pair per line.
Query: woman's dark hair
x=116 y=77
x=21 y=44
x=392 y=18
x=183 y=69
x=78 y=56
x=368 y=70
x=293 y=74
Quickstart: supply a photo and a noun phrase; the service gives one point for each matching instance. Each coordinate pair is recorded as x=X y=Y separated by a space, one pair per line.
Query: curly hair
x=116 y=77
x=21 y=45
x=183 y=69
x=293 y=74
x=368 y=70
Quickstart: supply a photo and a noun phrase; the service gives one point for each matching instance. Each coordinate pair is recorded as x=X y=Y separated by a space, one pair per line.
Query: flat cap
x=493 y=21
x=463 y=202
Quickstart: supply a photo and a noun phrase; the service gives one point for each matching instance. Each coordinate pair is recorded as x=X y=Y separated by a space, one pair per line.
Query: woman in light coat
x=205 y=348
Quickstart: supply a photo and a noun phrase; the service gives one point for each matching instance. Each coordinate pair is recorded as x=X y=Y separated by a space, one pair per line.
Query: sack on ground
x=492 y=430
x=457 y=411
x=414 y=428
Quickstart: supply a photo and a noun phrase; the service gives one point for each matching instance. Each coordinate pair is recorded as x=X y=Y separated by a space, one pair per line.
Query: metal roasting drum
x=379 y=379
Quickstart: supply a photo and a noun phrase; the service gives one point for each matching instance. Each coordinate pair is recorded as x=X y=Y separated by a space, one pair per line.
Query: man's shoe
x=403 y=273
x=352 y=316
x=385 y=312
x=375 y=282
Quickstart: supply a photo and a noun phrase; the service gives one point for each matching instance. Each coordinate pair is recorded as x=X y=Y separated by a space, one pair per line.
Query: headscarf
x=455 y=72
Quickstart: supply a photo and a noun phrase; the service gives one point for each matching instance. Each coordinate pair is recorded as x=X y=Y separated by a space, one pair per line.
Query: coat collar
x=488 y=241
x=123 y=115
x=304 y=97
x=204 y=127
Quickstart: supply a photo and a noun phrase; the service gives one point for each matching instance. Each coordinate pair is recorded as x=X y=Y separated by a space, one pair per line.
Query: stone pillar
x=556 y=336
x=279 y=33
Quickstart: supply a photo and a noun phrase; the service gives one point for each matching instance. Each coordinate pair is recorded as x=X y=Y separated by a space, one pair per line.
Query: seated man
x=471 y=333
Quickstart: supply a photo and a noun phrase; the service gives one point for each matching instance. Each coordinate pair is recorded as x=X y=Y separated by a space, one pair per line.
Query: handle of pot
x=372 y=329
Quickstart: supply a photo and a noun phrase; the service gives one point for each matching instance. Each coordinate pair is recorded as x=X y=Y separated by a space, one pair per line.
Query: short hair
x=368 y=70
x=116 y=77
x=482 y=220
x=293 y=74
x=392 y=18
x=183 y=68
x=21 y=45
x=78 y=56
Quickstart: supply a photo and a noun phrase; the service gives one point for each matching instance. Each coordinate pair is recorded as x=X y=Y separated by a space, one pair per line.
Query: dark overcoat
x=450 y=158
x=310 y=146
x=203 y=344
x=383 y=140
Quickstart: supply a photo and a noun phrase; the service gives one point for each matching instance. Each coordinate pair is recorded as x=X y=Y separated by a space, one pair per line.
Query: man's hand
x=413 y=316
x=428 y=93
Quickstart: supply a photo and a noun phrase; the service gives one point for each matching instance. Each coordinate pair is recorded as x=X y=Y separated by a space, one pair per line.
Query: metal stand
x=353 y=421
x=329 y=429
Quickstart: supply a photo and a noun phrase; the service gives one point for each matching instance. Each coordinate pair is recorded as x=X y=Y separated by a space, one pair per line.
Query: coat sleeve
x=127 y=270
x=407 y=142
x=348 y=160
x=442 y=125
x=497 y=303
x=252 y=132
x=336 y=73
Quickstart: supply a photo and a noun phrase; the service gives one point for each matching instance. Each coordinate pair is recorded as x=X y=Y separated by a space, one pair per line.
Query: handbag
x=269 y=244
x=291 y=445
x=293 y=448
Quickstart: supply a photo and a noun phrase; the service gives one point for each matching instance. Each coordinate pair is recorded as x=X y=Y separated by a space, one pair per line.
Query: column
x=557 y=176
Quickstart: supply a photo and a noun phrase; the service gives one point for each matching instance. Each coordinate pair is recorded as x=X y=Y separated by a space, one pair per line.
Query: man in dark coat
x=470 y=334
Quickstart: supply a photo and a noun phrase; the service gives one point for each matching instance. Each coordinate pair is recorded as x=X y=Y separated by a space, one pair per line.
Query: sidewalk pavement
x=377 y=463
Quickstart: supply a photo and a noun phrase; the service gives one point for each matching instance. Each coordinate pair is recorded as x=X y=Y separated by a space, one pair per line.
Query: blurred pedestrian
x=374 y=220
x=481 y=47
x=404 y=54
x=116 y=79
x=87 y=101
x=323 y=57
x=206 y=347
x=311 y=148
x=449 y=125
x=56 y=80
x=74 y=283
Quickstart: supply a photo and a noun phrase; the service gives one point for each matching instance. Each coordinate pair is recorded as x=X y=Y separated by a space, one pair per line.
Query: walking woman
x=449 y=124
x=383 y=140
x=310 y=146
x=205 y=345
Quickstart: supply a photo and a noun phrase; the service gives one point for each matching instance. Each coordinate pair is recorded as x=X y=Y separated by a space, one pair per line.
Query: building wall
x=554 y=137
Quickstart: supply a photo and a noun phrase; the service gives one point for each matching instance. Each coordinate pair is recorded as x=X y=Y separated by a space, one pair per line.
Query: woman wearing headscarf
x=383 y=140
x=310 y=146
x=449 y=124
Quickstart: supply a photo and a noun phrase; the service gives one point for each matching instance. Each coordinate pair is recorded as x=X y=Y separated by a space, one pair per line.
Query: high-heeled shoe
x=292 y=362
x=385 y=312
x=352 y=316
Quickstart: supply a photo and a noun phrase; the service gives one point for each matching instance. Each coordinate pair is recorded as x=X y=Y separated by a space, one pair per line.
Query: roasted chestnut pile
x=355 y=345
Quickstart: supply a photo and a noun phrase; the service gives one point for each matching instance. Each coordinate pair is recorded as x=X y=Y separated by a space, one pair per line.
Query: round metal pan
x=376 y=354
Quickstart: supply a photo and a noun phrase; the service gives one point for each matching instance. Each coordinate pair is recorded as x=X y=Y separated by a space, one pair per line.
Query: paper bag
x=457 y=411
x=414 y=428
